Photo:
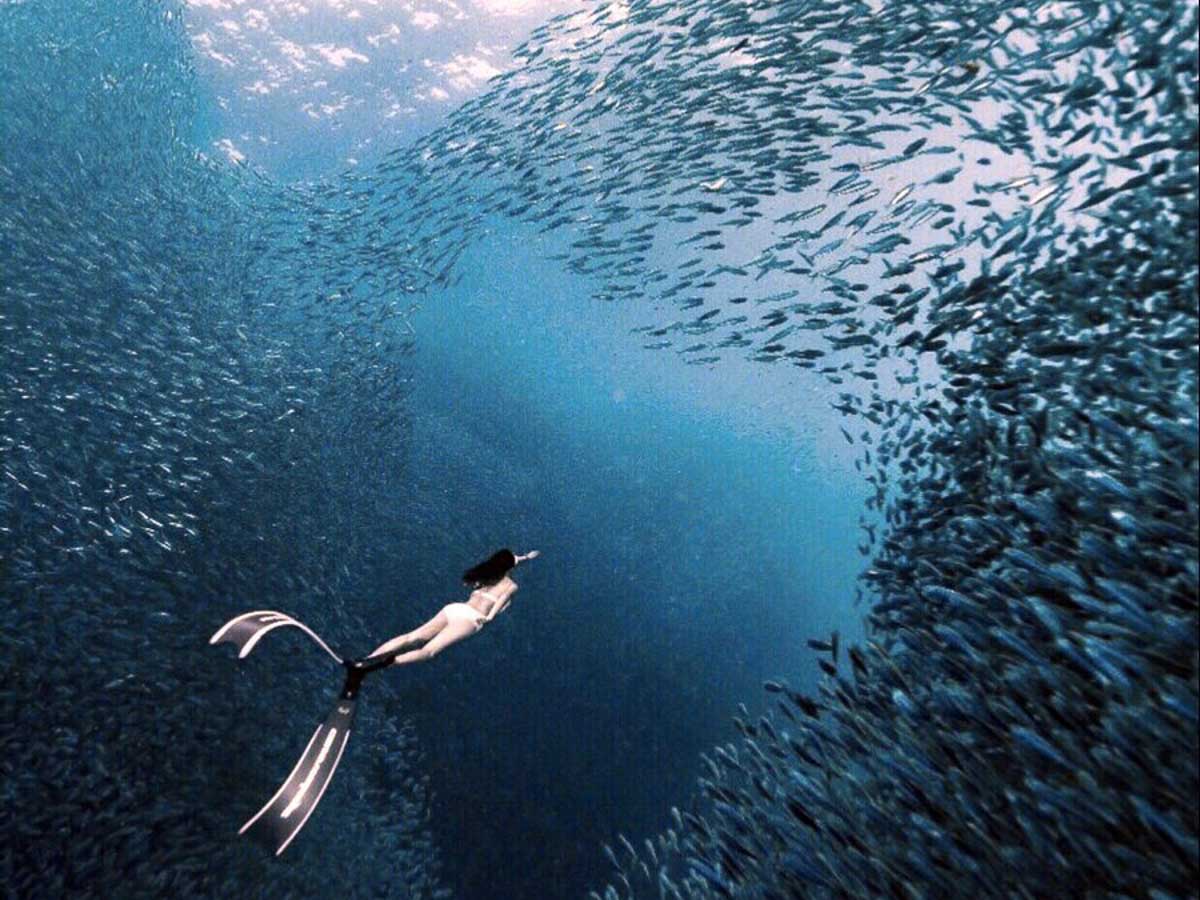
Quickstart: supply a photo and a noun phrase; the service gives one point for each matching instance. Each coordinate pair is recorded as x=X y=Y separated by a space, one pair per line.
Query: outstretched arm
x=502 y=605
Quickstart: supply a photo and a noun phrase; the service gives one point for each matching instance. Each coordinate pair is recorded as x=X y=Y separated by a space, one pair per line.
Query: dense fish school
x=976 y=222
x=161 y=396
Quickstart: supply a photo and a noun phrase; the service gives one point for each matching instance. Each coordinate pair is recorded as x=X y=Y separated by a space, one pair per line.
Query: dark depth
x=215 y=396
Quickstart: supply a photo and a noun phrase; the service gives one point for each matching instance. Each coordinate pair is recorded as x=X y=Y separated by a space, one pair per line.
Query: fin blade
x=281 y=819
x=246 y=630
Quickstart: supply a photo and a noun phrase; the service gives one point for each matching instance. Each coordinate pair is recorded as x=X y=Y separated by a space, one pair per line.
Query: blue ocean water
x=692 y=557
x=891 y=356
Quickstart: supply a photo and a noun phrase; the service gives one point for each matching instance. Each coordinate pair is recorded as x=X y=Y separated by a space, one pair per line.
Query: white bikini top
x=489 y=594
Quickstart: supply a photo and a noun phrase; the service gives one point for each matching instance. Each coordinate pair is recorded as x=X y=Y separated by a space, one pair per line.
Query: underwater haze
x=839 y=356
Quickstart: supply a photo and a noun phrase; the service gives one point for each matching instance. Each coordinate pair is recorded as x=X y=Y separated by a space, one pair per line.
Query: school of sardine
x=160 y=388
x=977 y=222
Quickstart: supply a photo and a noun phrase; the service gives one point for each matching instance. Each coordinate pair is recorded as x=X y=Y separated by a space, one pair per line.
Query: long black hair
x=491 y=570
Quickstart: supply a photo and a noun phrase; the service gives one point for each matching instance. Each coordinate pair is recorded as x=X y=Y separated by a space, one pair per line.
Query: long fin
x=246 y=630
x=282 y=817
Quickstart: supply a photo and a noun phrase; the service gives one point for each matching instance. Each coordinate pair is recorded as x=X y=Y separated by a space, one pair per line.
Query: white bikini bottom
x=463 y=612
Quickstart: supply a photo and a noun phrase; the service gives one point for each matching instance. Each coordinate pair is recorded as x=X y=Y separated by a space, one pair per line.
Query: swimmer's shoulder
x=501 y=590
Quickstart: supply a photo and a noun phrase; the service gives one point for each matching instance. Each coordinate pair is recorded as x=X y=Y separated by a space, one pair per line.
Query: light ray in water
x=982 y=238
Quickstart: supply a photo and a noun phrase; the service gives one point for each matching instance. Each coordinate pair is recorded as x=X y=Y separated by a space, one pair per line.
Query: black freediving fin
x=246 y=630
x=281 y=819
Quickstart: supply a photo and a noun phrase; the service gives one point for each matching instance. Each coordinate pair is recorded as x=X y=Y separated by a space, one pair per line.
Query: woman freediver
x=280 y=819
x=454 y=622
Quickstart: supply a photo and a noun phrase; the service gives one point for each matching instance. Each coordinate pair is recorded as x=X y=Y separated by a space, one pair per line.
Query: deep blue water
x=220 y=391
x=691 y=556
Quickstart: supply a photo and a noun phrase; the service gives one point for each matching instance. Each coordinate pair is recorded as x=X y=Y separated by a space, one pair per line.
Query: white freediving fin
x=246 y=630
x=280 y=820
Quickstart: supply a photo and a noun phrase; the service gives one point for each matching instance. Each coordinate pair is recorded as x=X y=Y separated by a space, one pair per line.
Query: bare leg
x=418 y=636
x=451 y=634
